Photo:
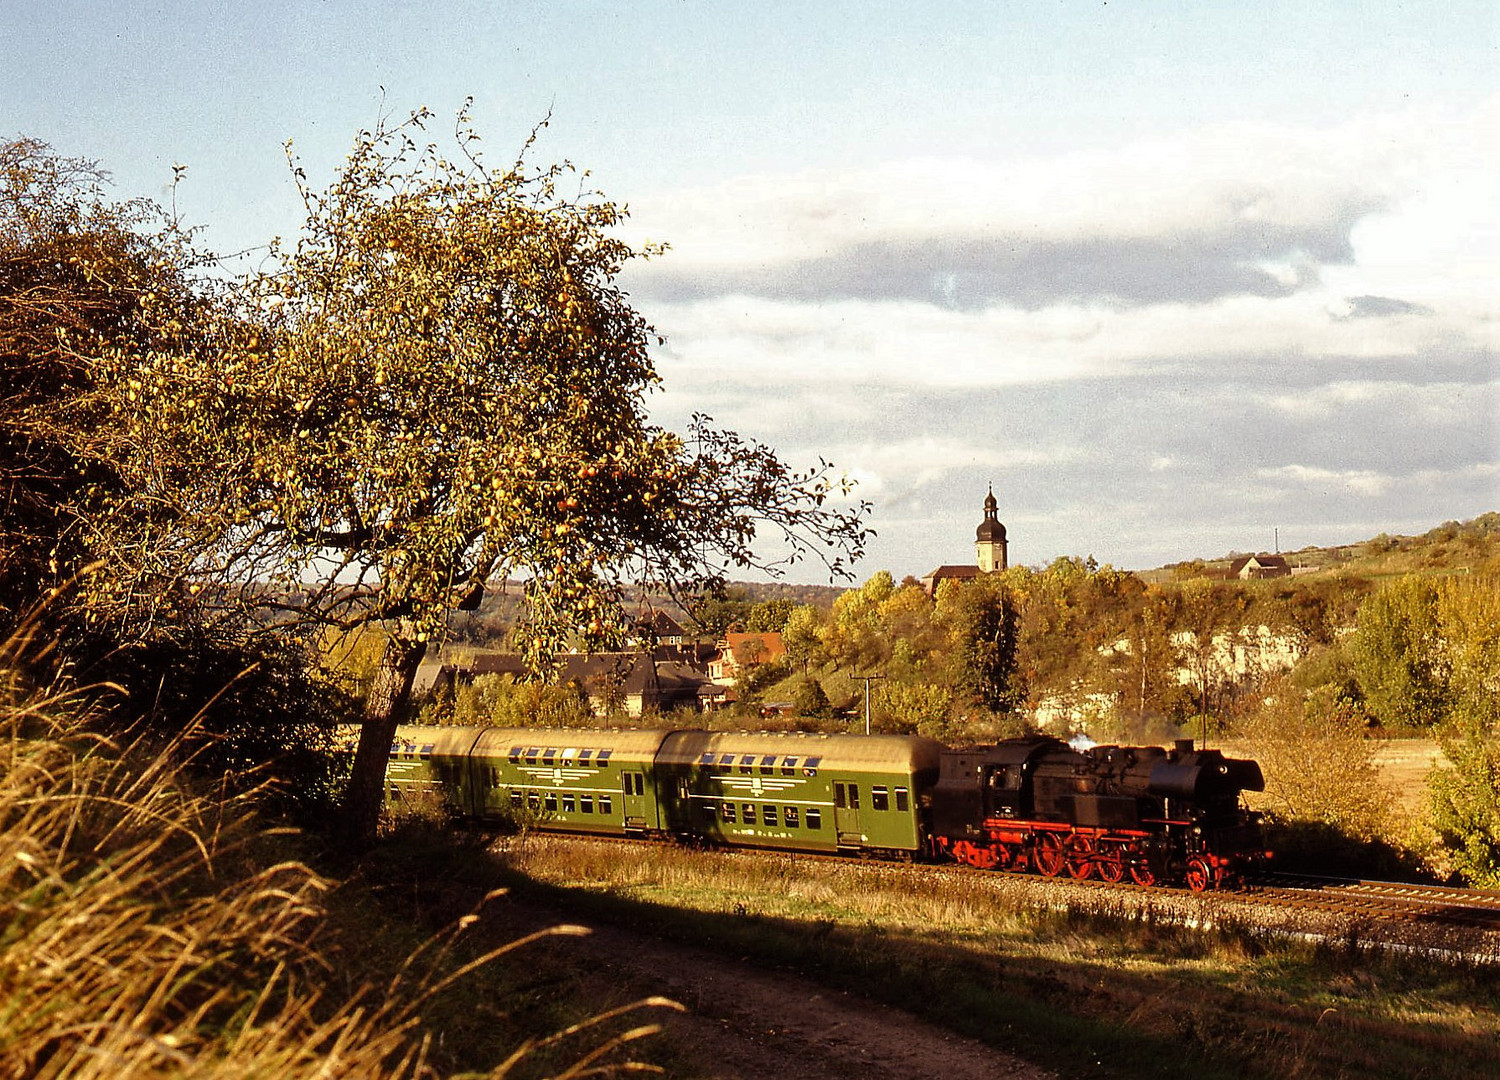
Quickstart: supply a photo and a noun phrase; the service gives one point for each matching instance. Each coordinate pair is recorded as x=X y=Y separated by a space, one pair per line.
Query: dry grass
x=148 y=929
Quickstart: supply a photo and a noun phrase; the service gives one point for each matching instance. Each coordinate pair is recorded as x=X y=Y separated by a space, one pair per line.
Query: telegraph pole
x=868 y=679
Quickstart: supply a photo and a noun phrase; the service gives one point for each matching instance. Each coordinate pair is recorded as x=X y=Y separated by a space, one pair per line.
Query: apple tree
x=439 y=385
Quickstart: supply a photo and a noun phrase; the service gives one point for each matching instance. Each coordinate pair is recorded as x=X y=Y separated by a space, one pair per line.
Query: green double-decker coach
x=791 y=790
x=797 y=790
x=573 y=780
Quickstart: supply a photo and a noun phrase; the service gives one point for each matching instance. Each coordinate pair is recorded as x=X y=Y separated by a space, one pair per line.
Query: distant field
x=1404 y=764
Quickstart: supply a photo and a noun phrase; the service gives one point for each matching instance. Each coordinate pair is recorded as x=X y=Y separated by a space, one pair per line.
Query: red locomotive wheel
x=1200 y=876
x=1081 y=858
x=1112 y=868
x=1143 y=875
x=1049 y=856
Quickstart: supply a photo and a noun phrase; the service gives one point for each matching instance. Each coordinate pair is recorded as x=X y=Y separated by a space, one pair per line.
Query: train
x=1161 y=816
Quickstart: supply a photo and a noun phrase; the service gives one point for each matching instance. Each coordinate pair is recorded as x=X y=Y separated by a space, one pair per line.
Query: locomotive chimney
x=1183 y=746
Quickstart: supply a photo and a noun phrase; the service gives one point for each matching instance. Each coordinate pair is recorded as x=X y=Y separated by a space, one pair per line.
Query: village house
x=1249 y=567
x=739 y=651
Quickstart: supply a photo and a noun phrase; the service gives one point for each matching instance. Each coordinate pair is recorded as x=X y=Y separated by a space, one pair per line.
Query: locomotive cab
x=987 y=783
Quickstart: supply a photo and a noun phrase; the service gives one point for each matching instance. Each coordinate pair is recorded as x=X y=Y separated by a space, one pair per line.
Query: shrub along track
x=1455 y=922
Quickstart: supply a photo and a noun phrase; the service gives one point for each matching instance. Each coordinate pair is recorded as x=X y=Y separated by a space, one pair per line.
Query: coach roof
x=889 y=753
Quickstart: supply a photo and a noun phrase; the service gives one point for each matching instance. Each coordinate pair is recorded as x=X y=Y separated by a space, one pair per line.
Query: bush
x=1465 y=800
x=501 y=701
x=809 y=699
x=1319 y=766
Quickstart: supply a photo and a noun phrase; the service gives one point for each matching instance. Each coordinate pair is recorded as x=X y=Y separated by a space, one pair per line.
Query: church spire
x=989 y=539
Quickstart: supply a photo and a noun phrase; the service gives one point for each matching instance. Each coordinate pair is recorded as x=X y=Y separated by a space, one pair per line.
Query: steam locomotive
x=1156 y=814
x=1169 y=816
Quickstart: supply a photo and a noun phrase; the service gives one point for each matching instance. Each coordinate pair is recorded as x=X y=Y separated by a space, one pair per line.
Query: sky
x=1177 y=280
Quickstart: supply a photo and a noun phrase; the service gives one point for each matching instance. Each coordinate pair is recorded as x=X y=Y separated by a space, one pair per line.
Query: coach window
x=601 y=759
x=586 y=803
x=749 y=809
x=606 y=804
x=729 y=812
x=789 y=766
x=705 y=759
x=708 y=812
x=768 y=813
x=879 y=798
x=549 y=755
x=768 y=764
x=567 y=804
x=853 y=796
x=814 y=818
x=531 y=753
x=810 y=766
x=533 y=801
x=747 y=763
x=515 y=755
x=550 y=802
x=516 y=798
x=568 y=755
x=791 y=817
x=584 y=755
x=903 y=801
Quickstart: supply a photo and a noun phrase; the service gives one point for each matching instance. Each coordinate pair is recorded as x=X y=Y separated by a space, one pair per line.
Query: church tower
x=989 y=539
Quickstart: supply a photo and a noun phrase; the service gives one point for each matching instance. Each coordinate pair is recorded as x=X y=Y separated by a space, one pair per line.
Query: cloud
x=753 y=344
x=1360 y=481
x=1368 y=482
x=1378 y=307
x=977 y=272
x=1243 y=211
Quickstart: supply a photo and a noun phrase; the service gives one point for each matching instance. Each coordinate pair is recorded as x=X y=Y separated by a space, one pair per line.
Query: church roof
x=990 y=529
x=961 y=570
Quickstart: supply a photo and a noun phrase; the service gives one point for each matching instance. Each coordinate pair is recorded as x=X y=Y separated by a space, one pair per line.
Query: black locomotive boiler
x=1159 y=815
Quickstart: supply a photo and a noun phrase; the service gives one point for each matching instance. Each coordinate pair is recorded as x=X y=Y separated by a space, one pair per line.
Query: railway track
x=1453 y=920
x=1387 y=901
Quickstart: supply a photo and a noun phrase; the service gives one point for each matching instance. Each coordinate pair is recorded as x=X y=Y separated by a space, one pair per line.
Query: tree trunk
x=388 y=696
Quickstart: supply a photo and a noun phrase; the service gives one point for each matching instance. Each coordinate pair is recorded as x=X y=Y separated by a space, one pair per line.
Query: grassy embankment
x=1088 y=992
x=150 y=928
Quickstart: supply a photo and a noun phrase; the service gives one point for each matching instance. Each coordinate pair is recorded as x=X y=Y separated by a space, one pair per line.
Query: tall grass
x=150 y=928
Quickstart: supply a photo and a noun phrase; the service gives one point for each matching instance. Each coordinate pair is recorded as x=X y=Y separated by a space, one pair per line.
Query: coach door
x=846 y=813
x=633 y=785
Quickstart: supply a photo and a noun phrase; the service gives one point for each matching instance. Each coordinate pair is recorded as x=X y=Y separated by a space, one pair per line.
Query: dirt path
x=747 y=1023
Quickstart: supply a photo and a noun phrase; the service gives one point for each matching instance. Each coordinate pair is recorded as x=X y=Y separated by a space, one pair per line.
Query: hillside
x=1452 y=547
